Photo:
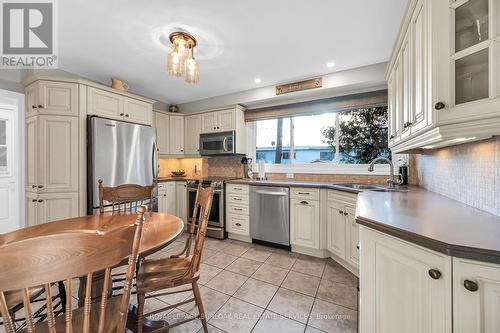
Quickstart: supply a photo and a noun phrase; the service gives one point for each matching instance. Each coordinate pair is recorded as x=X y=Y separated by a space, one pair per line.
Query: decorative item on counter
x=262 y=170
x=247 y=166
x=119 y=84
x=173 y=108
x=178 y=173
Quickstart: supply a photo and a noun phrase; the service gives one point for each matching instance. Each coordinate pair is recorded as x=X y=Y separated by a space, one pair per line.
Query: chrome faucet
x=391 y=182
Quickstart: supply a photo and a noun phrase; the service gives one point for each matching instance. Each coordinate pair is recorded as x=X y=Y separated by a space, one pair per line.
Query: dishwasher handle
x=271 y=193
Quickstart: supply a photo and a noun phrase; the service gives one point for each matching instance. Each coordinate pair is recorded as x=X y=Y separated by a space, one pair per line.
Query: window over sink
x=351 y=137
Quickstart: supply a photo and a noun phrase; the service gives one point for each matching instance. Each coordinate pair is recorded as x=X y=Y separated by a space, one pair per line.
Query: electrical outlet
x=289 y=175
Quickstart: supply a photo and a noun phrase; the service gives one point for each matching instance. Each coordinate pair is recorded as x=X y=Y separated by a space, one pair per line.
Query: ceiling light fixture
x=257 y=80
x=181 y=61
x=330 y=64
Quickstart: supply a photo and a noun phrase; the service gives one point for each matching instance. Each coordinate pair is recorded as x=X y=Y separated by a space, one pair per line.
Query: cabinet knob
x=357 y=246
x=439 y=106
x=435 y=274
x=471 y=285
x=304 y=203
x=33 y=200
x=341 y=212
x=126 y=115
x=346 y=213
x=391 y=137
x=40 y=186
x=33 y=186
x=33 y=106
x=121 y=114
x=238 y=224
x=40 y=106
x=40 y=200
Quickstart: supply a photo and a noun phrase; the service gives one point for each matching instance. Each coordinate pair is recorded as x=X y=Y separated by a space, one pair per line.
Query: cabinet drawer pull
x=237 y=189
x=435 y=274
x=40 y=200
x=471 y=285
x=237 y=199
x=33 y=106
x=33 y=200
x=439 y=106
x=40 y=186
x=40 y=106
x=33 y=186
x=238 y=209
x=238 y=224
x=304 y=193
x=304 y=203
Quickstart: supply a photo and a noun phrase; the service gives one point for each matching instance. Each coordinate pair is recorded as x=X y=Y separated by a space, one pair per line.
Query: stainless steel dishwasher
x=270 y=214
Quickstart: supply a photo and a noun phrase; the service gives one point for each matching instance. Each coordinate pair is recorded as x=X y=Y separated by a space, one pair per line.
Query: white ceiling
x=275 y=40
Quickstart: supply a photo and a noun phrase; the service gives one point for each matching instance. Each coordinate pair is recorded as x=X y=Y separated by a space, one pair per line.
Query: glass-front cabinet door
x=475 y=26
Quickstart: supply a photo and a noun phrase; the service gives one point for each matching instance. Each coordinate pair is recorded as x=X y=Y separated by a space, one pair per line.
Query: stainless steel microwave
x=222 y=143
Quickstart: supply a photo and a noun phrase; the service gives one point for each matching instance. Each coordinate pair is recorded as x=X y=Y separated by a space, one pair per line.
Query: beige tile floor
x=252 y=288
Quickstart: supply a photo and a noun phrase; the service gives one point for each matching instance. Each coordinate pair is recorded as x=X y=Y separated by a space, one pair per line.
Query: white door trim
x=15 y=102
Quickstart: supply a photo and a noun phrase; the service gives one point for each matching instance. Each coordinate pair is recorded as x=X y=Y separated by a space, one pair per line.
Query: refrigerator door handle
x=155 y=161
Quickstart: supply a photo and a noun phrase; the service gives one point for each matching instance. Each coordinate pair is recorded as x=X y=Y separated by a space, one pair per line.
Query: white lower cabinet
x=403 y=287
x=181 y=196
x=304 y=223
x=476 y=297
x=238 y=210
x=342 y=230
x=166 y=198
x=43 y=208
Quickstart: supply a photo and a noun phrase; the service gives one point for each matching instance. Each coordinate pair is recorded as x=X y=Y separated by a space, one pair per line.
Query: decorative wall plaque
x=299 y=86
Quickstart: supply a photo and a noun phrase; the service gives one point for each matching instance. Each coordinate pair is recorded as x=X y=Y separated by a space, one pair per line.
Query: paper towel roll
x=262 y=170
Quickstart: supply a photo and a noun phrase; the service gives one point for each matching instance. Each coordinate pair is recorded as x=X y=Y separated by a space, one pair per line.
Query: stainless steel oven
x=216 y=219
x=222 y=143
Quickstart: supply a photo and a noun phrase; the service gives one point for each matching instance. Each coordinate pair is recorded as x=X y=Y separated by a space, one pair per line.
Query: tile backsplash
x=469 y=173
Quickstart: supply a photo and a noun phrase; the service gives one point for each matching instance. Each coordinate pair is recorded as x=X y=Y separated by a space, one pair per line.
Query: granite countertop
x=432 y=221
x=173 y=179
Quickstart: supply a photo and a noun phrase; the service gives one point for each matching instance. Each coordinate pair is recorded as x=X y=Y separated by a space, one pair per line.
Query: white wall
x=352 y=81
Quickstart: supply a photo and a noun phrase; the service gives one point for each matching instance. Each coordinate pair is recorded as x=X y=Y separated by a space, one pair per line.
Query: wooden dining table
x=159 y=231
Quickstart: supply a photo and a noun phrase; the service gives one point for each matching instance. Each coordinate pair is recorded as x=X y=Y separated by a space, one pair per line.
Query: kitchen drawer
x=237 y=189
x=344 y=197
x=238 y=224
x=304 y=193
x=238 y=209
x=237 y=199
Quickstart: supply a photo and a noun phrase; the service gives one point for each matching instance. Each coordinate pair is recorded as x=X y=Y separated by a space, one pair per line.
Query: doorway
x=11 y=161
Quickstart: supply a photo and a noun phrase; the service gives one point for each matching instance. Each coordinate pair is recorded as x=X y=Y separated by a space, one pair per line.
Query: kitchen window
x=341 y=138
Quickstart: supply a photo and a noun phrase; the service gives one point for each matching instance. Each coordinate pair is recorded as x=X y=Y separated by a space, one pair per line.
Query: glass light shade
x=192 y=71
x=177 y=58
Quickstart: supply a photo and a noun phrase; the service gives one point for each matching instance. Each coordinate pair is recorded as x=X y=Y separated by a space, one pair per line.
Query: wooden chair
x=178 y=270
x=126 y=195
x=124 y=199
x=40 y=261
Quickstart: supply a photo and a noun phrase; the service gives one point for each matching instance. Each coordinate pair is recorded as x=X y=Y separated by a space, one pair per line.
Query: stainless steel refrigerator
x=119 y=153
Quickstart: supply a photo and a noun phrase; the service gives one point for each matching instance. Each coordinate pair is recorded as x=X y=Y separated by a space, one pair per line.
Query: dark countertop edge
x=294 y=183
x=453 y=250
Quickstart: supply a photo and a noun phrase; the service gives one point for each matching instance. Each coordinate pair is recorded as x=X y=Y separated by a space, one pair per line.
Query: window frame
x=334 y=167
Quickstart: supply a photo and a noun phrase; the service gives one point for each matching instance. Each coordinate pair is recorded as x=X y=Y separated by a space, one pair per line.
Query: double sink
x=365 y=187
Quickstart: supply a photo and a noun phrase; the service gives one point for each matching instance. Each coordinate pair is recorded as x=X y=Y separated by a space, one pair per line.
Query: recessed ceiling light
x=330 y=64
x=257 y=80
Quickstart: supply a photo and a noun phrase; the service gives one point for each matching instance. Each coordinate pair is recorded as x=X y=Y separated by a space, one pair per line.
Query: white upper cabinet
x=52 y=98
x=476 y=297
x=115 y=106
x=226 y=121
x=209 y=122
x=192 y=125
x=176 y=139
x=137 y=111
x=444 y=74
x=162 y=124
x=104 y=103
